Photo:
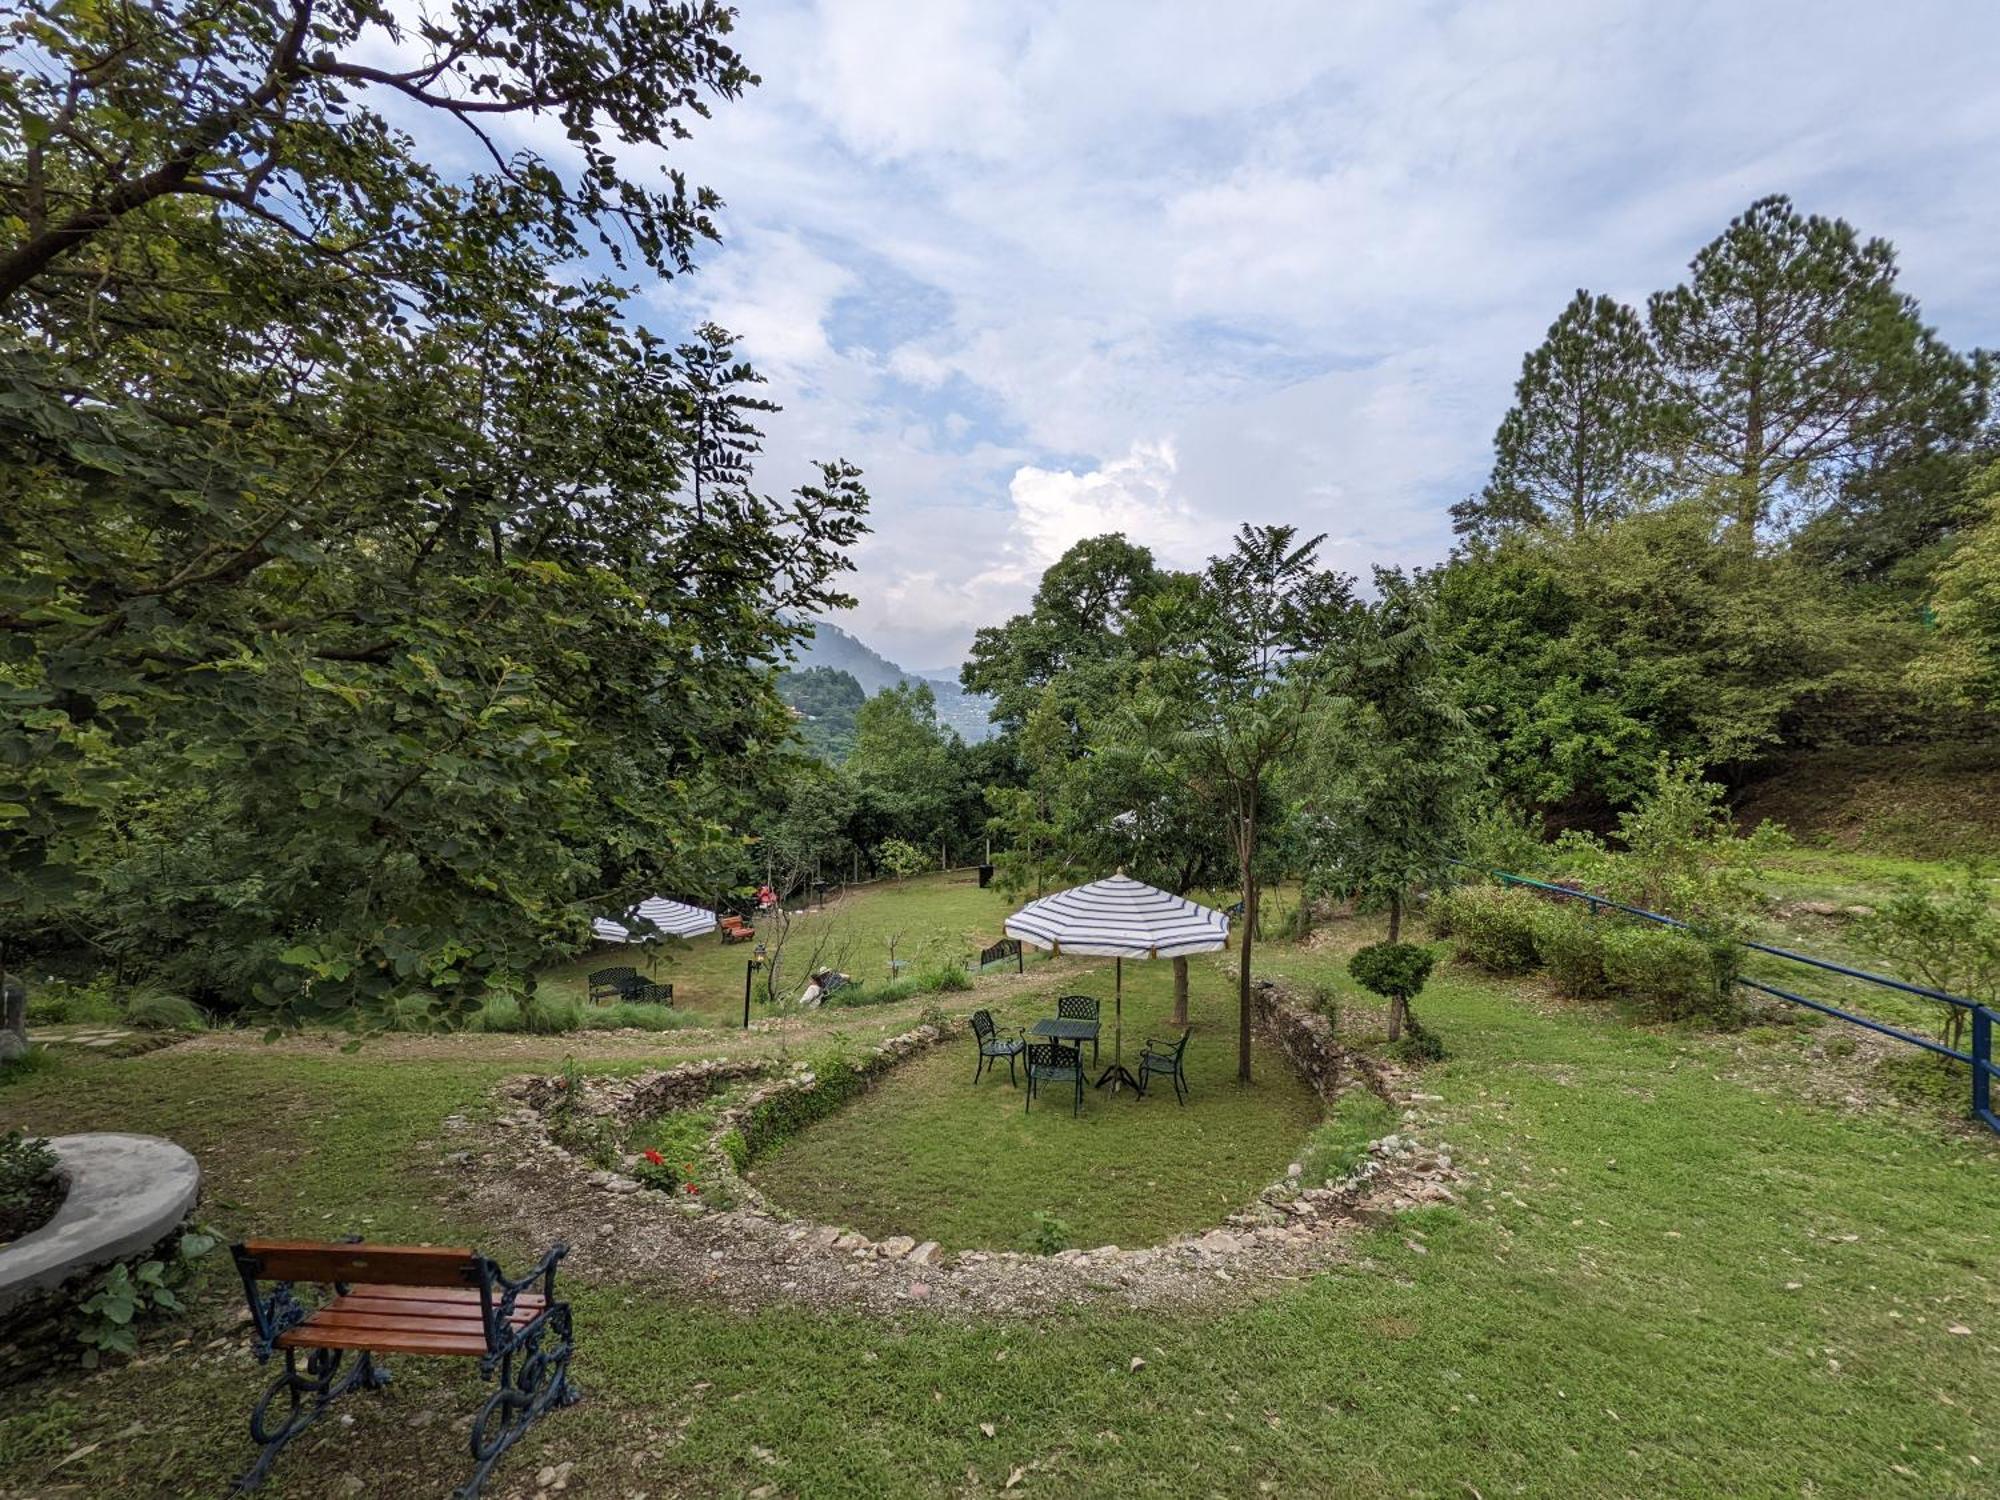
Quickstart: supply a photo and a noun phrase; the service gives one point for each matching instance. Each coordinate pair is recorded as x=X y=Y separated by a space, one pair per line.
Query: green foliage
x=912 y=778
x=1569 y=944
x=1944 y=935
x=1049 y=1234
x=826 y=700
x=27 y=1165
x=1493 y=926
x=901 y=859
x=1961 y=667
x=380 y=596
x=1390 y=769
x=935 y=1016
x=157 y=1010
x=835 y=1081
x=1580 y=443
x=1340 y=1143
x=129 y=1295
x=1679 y=976
x=1395 y=971
x=1682 y=856
x=1418 y=1044
x=1792 y=359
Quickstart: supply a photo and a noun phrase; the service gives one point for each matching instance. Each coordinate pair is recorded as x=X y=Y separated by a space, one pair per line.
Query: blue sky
x=1045 y=269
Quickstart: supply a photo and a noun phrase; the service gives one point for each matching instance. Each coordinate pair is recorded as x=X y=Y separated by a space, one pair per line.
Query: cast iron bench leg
x=310 y=1394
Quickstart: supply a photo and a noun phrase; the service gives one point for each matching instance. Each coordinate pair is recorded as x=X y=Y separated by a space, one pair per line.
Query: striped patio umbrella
x=675 y=918
x=1120 y=918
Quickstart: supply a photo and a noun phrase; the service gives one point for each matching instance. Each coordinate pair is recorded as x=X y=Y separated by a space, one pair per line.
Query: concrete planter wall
x=127 y=1195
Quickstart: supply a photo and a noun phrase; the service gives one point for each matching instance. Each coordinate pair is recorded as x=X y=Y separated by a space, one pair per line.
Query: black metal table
x=1083 y=1031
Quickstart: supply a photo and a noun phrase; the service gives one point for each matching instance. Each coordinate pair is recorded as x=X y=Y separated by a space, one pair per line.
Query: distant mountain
x=830 y=646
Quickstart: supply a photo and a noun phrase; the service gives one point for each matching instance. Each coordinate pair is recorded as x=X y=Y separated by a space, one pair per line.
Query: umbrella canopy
x=1120 y=917
x=675 y=918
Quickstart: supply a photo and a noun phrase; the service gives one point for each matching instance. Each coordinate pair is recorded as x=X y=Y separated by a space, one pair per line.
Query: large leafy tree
x=1797 y=367
x=909 y=773
x=1235 y=669
x=1390 y=771
x=1079 y=616
x=1579 y=445
x=364 y=624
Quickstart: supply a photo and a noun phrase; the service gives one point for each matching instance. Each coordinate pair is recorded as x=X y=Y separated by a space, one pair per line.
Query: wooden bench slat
x=430 y=1293
x=383 y=1340
x=411 y=1307
x=400 y=1265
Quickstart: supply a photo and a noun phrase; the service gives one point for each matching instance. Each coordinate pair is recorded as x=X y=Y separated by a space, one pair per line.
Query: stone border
x=755 y=1253
x=126 y=1194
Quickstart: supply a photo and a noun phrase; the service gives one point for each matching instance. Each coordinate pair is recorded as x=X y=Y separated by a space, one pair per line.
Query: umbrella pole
x=1115 y=1075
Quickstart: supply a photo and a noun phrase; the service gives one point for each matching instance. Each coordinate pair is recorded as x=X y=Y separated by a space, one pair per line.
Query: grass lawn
x=1672 y=1275
x=936 y=920
x=930 y=1155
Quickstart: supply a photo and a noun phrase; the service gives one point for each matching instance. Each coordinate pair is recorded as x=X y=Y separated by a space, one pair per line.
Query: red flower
x=692 y=1188
x=656 y=1159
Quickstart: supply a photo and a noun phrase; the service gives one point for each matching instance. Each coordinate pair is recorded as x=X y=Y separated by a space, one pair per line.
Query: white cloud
x=1051 y=269
x=1055 y=509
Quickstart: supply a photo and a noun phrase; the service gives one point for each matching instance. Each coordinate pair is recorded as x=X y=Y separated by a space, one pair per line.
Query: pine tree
x=1576 y=447
x=1796 y=365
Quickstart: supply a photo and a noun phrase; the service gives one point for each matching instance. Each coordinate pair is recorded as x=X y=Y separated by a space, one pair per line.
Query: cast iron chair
x=1079 y=1008
x=993 y=1046
x=612 y=984
x=650 y=994
x=1053 y=1062
x=1158 y=1057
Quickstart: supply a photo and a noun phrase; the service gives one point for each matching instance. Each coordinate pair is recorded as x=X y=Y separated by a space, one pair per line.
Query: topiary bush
x=1494 y=927
x=1569 y=942
x=1395 y=971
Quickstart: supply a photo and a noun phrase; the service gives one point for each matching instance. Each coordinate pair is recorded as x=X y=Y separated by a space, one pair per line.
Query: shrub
x=1418 y=1045
x=936 y=1017
x=49 y=1010
x=27 y=1166
x=1570 y=944
x=128 y=1295
x=1679 y=975
x=532 y=1013
x=857 y=996
x=1495 y=927
x=1324 y=1000
x=1050 y=1234
x=943 y=979
x=156 y=1010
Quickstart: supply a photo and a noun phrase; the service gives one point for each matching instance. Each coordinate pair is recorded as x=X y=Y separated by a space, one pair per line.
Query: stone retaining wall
x=757 y=1251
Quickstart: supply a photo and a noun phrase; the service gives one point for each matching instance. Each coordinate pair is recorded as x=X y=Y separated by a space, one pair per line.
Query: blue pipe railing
x=1979 y=1058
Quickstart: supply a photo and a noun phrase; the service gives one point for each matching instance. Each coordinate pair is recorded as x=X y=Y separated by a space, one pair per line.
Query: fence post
x=1982 y=1063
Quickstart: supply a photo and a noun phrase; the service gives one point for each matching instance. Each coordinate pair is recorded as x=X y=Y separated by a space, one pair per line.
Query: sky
x=1046 y=270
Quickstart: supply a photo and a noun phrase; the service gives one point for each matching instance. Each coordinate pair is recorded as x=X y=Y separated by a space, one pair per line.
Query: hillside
x=830 y=646
x=1916 y=801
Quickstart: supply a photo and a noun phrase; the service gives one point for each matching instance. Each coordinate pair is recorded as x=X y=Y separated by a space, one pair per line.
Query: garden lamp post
x=750 y=967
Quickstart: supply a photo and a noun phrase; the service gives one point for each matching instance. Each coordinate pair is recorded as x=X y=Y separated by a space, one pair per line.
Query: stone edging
x=755 y=1252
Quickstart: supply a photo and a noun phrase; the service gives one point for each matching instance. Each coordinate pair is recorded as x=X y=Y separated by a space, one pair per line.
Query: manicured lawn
x=931 y=1155
x=937 y=919
x=1664 y=1280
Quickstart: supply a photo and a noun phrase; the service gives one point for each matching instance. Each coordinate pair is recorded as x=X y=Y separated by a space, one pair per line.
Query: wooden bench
x=735 y=930
x=402 y=1299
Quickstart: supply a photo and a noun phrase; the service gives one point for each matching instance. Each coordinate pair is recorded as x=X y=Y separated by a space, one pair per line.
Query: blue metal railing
x=1979 y=1058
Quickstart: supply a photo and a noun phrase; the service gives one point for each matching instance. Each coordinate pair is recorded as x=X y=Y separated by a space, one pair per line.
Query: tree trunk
x=1396 y=1007
x=1248 y=847
x=1180 y=991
